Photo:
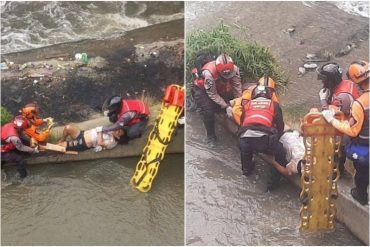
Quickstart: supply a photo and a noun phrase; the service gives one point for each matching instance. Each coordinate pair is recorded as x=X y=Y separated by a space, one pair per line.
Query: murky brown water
x=91 y=203
x=225 y=208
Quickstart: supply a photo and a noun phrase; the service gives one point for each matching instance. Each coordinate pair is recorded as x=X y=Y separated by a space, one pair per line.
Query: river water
x=91 y=203
x=225 y=208
x=26 y=25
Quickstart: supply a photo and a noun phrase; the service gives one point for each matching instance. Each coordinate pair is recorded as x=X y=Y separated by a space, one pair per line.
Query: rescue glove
x=328 y=115
x=324 y=94
x=48 y=120
x=36 y=150
x=229 y=111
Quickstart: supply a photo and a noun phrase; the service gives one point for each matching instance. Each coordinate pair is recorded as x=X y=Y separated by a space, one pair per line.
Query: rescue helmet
x=114 y=104
x=225 y=66
x=267 y=81
x=20 y=122
x=330 y=74
x=261 y=91
x=30 y=110
x=358 y=71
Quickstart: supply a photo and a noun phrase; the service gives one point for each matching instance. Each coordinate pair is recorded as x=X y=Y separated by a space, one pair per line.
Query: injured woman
x=82 y=140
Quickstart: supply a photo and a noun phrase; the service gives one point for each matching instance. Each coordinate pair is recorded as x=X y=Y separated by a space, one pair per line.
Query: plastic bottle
x=82 y=57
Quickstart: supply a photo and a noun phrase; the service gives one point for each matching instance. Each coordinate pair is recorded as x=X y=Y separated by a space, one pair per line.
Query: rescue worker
x=247 y=95
x=11 y=142
x=357 y=149
x=219 y=83
x=31 y=113
x=131 y=115
x=336 y=93
x=261 y=127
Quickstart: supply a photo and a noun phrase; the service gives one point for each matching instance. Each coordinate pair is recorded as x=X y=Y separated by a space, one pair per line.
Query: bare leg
x=71 y=131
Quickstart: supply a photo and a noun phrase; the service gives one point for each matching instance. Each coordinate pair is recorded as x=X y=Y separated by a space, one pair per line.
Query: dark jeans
x=208 y=108
x=280 y=154
x=136 y=130
x=361 y=177
x=250 y=145
x=13 y=157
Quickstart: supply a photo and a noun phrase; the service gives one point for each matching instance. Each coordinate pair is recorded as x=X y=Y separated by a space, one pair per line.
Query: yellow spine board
x=320 y=174
x=154 y=150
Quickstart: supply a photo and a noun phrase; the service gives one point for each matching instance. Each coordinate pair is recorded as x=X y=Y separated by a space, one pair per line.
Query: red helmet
x=225 y=66
x=20 y=122
x=358 y=71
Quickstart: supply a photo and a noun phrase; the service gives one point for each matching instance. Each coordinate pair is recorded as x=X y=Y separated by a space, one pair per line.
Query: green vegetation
x=253 y=59
x=6 y=116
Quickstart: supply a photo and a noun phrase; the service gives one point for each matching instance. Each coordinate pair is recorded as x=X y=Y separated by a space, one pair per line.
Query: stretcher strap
x=159 y=138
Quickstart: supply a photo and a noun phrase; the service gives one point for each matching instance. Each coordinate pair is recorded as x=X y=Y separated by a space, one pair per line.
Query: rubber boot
x=273 y=181
x=248 y=169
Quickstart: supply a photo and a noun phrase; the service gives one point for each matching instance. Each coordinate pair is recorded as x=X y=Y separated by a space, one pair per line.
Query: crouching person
x=11 y=143
x=261 y=126
x=93 y=138
x=130 y=115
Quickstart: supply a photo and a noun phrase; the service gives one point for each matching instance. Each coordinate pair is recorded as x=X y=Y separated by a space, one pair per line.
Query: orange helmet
x=358 y=71
x=225 y=66
x=30 y=110
x=267 y=82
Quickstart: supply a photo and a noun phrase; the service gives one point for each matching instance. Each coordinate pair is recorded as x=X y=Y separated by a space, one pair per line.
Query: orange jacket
x=358 y=125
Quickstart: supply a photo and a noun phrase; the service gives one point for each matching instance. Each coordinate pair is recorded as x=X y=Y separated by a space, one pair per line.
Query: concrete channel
x=351 y=213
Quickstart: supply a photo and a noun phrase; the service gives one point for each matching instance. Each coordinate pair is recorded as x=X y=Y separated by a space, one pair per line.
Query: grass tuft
x=6 y=116
x=253 y=59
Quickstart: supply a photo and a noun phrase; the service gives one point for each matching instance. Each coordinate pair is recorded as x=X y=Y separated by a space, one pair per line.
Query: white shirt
x=295 y=149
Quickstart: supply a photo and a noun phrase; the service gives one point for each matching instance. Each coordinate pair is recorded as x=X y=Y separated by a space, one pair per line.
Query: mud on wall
x=144 y=61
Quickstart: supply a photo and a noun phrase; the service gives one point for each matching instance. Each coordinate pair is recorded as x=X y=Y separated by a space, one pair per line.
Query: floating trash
x=310 y=66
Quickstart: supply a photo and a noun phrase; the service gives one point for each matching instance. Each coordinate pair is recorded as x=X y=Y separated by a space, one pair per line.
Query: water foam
x=27 y=25
x=360 y=8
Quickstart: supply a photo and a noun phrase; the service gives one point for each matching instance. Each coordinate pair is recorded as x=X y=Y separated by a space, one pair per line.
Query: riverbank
x=291 y=30
x=141 y=63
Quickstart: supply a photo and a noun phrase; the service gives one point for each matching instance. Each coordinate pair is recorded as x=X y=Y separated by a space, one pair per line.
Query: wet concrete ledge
x=351 y=213
x=133 y=148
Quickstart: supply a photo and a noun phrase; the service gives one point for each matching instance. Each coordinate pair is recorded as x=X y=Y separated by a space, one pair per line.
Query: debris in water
x=153 y=54
x=23 y=66
x=35 y=81
x=346 y=50
x=310 y=55
x=4 y=66
x=291 y=29
x=310 y=65
x=301 y=70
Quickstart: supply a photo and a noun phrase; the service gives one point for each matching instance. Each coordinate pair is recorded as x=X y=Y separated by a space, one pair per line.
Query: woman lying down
x=86 y=139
